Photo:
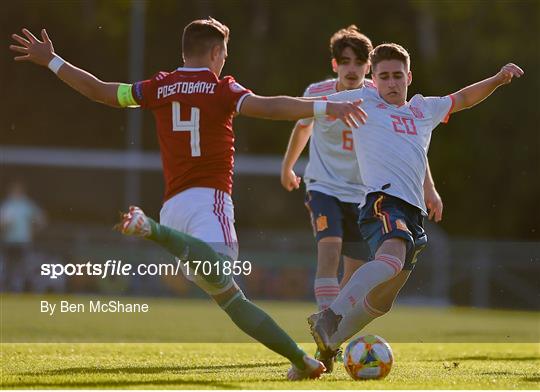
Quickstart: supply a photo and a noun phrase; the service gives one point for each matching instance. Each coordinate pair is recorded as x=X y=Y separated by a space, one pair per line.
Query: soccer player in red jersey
x=194 y=109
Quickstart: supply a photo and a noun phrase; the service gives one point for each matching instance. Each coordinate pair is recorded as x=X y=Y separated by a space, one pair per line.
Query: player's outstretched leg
x=259 y=325
x=247 y=316
x=376 y=304
x=387 y=264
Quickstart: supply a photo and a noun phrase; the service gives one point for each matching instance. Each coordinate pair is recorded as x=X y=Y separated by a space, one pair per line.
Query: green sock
x=256 y=323
x=187 y=248
x=246 y=315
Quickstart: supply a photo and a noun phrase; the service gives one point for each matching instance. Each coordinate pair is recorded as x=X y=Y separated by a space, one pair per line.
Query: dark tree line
x=485 y=161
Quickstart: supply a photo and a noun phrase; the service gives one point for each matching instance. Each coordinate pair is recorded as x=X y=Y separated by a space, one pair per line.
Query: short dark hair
x=350 y=37
x=201 y=35
x=389 y=52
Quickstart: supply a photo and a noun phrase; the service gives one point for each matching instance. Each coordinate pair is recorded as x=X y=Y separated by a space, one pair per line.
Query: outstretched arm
x=289 y=108
x=42 y=53
x=297 y=142
x=432 y=198
x=475 y=93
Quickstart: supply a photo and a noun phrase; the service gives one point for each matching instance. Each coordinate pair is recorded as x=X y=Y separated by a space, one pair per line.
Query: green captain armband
x=125 y=98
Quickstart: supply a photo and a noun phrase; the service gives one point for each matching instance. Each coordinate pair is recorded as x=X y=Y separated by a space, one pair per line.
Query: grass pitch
x=178 y=361
x=251 y=366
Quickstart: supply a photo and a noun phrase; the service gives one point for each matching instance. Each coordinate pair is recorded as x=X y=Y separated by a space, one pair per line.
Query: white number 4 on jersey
x=191 y=126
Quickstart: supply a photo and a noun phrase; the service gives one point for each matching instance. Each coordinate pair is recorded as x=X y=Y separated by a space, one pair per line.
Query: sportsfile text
x=120 y=268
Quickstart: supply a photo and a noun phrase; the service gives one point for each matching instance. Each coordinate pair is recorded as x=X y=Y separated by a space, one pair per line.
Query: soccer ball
x=368 y=357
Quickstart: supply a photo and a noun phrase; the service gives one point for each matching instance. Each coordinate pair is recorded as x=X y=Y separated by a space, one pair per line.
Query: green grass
x=251 y=366
x=168 y=348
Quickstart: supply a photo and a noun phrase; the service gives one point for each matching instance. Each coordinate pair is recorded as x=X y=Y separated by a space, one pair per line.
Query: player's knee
x=225 y=296
x=215 y=284
x=394 y=246
x=329 y=251
x=327 y=260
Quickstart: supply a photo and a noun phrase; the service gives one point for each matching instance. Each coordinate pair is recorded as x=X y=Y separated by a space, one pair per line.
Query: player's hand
x=434 y=204
x=34 y=50
x=289 y=180
x=349 y=112
x=508 y=72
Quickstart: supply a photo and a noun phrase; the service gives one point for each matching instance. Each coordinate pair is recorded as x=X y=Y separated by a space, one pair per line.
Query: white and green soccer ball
x=368 y=357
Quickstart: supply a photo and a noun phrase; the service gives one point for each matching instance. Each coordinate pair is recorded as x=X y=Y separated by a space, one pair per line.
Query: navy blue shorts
x=331 y=217
x=384 y=216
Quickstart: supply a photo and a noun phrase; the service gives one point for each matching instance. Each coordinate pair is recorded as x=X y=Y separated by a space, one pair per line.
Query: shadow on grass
x=531 y=379
x=502 y=373
x=116 y=384
x=166 y=370
x=148 y=369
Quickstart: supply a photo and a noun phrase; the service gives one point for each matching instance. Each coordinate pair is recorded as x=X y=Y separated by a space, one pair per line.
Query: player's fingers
x=438 y=214
x=20 y=49
x=22 y=58
x=353 y=120
x=20 y=40
x=352 y=123
x=355 y=113
x=431 y=213
x=345 y=119
x=361 y=115
x=515 y=67
x=45 y=36
x=30 y=36
x=517 y=72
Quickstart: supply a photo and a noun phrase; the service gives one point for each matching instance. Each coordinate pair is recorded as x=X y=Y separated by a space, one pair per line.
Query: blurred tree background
x=485 y=161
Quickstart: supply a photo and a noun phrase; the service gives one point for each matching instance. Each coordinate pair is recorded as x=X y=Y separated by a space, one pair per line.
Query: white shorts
x=206 y=214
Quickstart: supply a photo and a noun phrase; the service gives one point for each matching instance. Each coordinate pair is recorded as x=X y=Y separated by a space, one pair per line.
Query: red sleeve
x=141 y=92
x=144 y=91
x=233 y=93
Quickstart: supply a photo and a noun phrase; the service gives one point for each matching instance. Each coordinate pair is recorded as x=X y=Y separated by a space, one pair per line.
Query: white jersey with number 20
x=391 y=148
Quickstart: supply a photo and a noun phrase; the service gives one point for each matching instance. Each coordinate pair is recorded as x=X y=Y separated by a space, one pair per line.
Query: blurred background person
x=20 y=218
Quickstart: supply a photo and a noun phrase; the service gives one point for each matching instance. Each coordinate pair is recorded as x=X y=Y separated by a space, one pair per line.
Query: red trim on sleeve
x=447 y=117
x=300 y=125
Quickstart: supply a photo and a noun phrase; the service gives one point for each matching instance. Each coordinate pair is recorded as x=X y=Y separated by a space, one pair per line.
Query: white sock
x=365 y=279
x=354 y=322
x=326 y=291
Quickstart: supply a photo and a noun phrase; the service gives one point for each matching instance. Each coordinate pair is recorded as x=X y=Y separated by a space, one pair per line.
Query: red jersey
x=193 y=110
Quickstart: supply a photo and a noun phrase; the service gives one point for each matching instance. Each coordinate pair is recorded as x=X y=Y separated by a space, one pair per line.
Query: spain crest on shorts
x=321 y=223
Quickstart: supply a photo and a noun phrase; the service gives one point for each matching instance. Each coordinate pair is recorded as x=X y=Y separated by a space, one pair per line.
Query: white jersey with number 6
x=332 y=167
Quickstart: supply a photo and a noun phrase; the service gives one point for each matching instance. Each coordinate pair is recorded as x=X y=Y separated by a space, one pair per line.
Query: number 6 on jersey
x=191 y=126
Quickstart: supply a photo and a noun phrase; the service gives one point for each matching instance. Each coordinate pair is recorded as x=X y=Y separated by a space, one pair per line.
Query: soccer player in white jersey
x=392 y=156
x=333 y=183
